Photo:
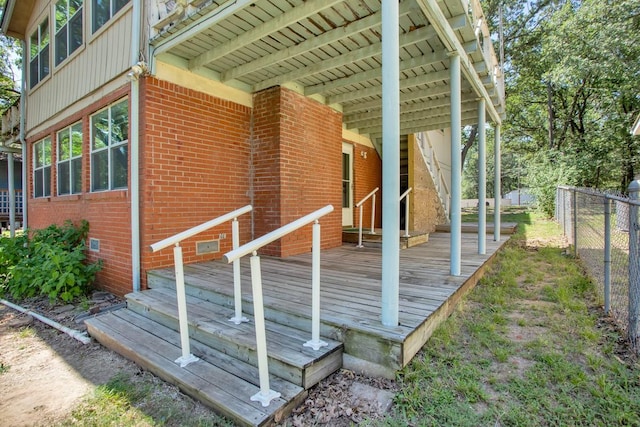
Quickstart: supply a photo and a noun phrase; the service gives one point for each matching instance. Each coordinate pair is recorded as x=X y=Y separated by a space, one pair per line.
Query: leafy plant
x=51 y=262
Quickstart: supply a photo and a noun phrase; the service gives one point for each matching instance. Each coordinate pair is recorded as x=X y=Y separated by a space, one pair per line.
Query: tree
x=10 y=54
x=572 y=85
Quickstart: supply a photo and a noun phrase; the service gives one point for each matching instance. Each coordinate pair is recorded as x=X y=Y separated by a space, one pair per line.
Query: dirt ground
x=45 y=374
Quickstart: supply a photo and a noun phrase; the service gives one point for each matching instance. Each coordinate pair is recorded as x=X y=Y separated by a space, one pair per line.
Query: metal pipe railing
x=186 y=356
x=265 y=395
x=406 y=211
x=373 y=215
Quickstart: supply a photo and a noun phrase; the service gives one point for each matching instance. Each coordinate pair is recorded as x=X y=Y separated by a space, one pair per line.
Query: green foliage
x=51 y=262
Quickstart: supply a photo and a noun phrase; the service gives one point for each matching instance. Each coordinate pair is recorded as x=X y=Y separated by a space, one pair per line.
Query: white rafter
x=290 y=17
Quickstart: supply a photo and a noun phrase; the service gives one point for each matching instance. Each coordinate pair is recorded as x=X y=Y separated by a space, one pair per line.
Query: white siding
x=100 y=60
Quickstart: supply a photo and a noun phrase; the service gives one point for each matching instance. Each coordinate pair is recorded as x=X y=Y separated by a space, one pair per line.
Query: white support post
x=406 y=217
x=237 y=279
x=12 y=196
x=456 y=165
x=186 y=357
x=390 y=162
x=373 y=214
x=482 y=179
x=265 y=395
x=315 y=342
x=497 y=194
x=360 y=245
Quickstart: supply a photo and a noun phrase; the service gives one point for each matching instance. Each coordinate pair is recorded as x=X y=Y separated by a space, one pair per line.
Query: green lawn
x=528 y=347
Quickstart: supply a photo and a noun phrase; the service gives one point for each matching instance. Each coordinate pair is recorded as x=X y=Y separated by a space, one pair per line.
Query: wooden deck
x=351 y=295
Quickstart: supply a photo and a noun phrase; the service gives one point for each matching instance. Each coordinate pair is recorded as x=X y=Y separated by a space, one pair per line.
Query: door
x=347 y=185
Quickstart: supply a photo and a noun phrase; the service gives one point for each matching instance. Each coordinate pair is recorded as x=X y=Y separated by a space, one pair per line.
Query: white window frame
x=110 y=148
x=43 y=168
x=76 y=127
x=40 y=54
x=67 y=28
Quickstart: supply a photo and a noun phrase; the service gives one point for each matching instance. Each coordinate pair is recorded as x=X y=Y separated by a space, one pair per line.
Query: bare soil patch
x=45 y=375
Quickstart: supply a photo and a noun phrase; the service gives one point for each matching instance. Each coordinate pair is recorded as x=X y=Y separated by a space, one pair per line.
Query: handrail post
x=237 y=281
x=186 y=357
x=373 y=214
x=607 y=255
x=315 y=342
x=265 y=395
x=406 y=216
x=360 y=229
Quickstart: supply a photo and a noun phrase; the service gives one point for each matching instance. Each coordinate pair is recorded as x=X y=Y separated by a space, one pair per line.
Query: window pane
x=34 y=45
x=61 y=45
x=100 y=130
x=100 y=171
x=75 y=32
x=61 y=14
x=47 y=181
x=100 y=13
x=63 y=145
x=119 y=168
x=44 y=62
x=120 y=122
x=118 y=4
x=74 y=6
x=46 y=156
x=44 y=33
x=33 y=73
x=76 y=176
x=37 y=154
x=76 y=140
x=63 y=178
x=37 y=183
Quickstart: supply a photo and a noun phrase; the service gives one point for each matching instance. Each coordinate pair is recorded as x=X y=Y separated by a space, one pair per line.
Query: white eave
x=331 y=50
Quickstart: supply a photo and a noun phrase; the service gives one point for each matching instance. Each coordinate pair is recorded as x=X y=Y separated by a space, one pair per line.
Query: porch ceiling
x=331 y=50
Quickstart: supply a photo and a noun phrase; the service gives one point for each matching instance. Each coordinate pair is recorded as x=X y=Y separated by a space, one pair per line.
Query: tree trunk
x=469 y=143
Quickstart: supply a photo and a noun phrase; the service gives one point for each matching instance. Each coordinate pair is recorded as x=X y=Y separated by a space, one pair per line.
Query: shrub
x=51 y=262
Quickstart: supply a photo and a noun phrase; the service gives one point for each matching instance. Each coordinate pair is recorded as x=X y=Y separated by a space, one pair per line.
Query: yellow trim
x=357 y=138
x=194 y=81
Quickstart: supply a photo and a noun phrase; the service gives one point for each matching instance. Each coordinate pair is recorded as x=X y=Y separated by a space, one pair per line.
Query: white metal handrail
x=406 y=211
x=373 y=214
x=265 y=395
x=187 y=357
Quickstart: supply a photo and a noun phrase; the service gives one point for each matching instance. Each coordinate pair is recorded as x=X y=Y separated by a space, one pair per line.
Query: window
x=68 y=28
x=42 y=168
x=70 y=160
x=103 y=10
x=39 y=53
x=109 y=148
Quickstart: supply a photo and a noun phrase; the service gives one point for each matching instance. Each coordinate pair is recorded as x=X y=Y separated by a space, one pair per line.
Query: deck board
x=351 y=289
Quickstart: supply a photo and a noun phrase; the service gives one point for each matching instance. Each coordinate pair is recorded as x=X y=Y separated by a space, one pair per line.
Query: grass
x=526 y=348
x=139 y=401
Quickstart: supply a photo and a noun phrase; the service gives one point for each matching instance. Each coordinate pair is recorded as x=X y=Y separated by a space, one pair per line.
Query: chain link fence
x=603 y=230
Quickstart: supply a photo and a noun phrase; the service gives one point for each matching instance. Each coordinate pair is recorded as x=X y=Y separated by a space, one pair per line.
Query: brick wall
x=367 y=175
x=195 y=166
x=297 y=162
x=108 y=212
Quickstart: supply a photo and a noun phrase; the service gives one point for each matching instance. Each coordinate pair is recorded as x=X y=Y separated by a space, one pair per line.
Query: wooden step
x=209 y=324
x=218 y=380
x=416 y=237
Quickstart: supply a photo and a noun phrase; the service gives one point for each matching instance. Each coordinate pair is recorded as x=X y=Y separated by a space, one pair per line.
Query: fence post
x=634 y=267
x=607 y=255
x=575 y=223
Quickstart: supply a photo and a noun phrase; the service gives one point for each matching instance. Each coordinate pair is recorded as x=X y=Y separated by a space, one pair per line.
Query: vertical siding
x=100 y=60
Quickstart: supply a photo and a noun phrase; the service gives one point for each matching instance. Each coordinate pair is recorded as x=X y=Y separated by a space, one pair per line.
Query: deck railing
x=360 y=204
x=187 y=357
x=406 y=211
x=5 y=204
x=265 y=395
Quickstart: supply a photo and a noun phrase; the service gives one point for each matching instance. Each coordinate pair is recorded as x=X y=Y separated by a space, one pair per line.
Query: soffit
x=331 y=49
